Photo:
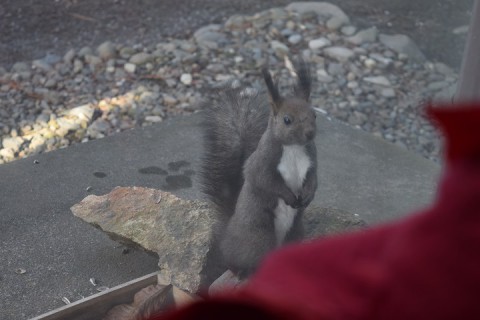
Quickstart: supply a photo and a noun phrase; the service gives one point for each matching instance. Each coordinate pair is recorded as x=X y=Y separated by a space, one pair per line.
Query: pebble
x=352 y=84
x=380 y=58
x=126 y=52
x=369 y=63
x=335 y=22
x=186 y=79
x=438 y=85
x=154 y=119
x=341 y=54
x=279 y=48
x=106 y=50
x=92 y=60
x=42 y=65
x=295 y=38
x=335 y=69
x=443 y=69
x=363 y=36
x=77 y=66
x=142 y=84
x=20 y=67
x=130 y=67
x=68 y=57
x=169 y=100
x=13 y=143
x=85 y=51
x=388 y=93
x=319 y=43
x=403 y=44
x=348 y=30
x=380 y=80
x=323 y=76
x=141 y=58
x=7 y=154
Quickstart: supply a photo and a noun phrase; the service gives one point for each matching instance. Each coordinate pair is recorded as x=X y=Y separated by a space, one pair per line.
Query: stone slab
x=358 y=174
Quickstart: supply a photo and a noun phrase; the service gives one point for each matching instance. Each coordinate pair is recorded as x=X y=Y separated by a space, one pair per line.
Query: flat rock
x=179 y=231
x=401 y=43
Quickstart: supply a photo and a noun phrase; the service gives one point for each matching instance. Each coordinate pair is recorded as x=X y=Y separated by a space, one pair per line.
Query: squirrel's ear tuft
x=272 y=87
x=303 y=86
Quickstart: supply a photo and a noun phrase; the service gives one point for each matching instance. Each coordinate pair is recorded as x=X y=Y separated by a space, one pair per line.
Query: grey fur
x=232 y=127
x=241 y=133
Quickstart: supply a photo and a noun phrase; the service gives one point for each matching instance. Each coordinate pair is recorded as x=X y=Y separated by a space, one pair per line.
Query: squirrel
x=259 y=167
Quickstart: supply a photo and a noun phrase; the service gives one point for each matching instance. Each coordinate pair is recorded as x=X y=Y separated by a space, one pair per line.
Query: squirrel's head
x=292 y=119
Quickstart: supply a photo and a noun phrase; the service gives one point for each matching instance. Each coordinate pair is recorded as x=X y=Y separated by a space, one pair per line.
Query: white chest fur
x=293 y=167
x=284 y=216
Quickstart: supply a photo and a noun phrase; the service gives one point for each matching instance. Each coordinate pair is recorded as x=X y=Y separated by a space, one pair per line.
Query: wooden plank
x=97 y=305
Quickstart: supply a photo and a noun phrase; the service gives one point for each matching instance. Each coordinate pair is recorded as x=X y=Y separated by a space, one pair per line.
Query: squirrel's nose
x=310 y=134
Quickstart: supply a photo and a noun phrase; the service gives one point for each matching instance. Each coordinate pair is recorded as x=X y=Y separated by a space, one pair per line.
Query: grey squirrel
x=260 y=167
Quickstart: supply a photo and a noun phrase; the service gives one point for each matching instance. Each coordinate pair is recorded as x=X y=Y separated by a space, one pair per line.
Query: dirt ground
x=29 y=28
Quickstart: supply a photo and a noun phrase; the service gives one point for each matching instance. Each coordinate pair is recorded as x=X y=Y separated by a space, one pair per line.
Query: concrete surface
x=357 y=173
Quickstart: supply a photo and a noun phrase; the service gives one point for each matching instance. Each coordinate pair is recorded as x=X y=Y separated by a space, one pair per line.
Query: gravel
x=361 y=78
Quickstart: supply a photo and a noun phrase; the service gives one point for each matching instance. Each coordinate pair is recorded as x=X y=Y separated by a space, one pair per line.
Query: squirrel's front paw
x=291 y=201
x=304 y=200
x=297 y=203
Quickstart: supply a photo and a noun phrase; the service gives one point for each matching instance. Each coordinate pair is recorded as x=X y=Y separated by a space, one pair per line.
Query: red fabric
x=424 y=267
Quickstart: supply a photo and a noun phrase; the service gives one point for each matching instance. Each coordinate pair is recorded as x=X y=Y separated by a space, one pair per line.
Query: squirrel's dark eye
x=287 y=120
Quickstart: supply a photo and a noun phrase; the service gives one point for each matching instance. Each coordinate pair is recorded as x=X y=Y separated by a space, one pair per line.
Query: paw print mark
x=100 y=174
x=174 y=181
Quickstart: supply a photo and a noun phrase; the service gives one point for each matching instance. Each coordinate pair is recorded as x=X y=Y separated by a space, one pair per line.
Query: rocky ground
x=372 y=81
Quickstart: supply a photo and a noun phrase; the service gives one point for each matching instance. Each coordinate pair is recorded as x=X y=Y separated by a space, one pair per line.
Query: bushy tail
x=232 y=127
